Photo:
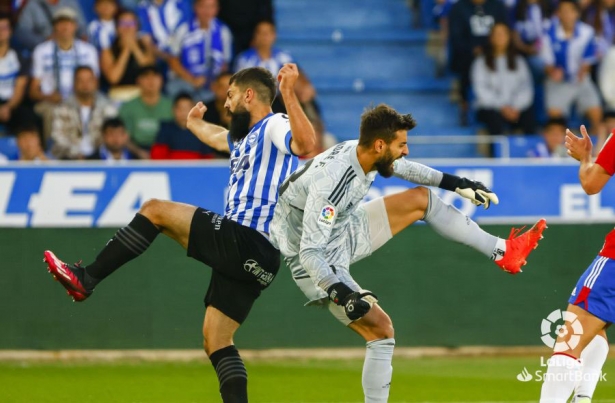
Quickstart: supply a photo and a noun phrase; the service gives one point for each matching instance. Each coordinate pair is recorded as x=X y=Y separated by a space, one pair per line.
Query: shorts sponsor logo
x=327 y=215
x=262 y=276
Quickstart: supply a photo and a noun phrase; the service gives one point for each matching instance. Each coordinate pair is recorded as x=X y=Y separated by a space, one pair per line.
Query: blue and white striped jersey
x=251 y=58
x=101 y=34
x=260 y=163
x=569 y=54
x=162 y=21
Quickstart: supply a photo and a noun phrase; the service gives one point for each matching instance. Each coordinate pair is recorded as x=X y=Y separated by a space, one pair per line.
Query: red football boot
x=518 y=247
x=67 y=275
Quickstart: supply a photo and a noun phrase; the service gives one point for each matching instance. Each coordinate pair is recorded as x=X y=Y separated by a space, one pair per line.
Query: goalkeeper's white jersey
x=315 y=206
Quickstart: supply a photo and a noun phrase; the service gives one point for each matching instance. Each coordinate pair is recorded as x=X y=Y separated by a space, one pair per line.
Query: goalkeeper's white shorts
x=368 y=229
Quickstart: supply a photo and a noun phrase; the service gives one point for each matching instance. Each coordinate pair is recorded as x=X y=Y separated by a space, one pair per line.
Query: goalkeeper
x=321 y=228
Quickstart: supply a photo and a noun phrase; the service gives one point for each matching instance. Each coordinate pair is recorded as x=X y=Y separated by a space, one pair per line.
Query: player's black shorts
x=243 y=261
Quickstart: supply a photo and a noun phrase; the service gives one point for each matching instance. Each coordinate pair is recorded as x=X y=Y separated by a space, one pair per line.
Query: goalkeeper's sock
x=560 y=379
x=128 y=243
x=593 y=358
x=452 y=224
x=232 y=375
x=377 y=370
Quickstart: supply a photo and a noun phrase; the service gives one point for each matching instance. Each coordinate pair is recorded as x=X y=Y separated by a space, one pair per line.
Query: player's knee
x=416 y=198
x=383 y=327
x=150 y=209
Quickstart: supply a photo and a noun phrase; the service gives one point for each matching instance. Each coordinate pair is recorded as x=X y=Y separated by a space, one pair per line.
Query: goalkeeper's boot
x=518 y=247
x=70 y=276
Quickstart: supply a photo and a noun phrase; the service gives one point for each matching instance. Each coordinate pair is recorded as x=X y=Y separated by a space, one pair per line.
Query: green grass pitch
x=414 y=380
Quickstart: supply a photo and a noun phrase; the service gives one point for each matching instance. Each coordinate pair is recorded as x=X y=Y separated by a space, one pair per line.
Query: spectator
x=160 y=20
x=263 y=53
x=115 y=141
x=76 y=127
x=606 y=79
x=242 y=16
x=568 y=52
x=101 y=31
x=121 y=61
x=175 y=141
x=553 y=139
x=54 y=63
x=216 y=113
x=204 y=51
x=528 y=22
x=470 y=22
x=30 y=145
x=13 y=81
x=143 y=114
x=503 y=85
x=36 y=22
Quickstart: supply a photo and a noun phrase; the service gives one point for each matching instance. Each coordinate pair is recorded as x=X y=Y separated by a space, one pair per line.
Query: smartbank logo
x=542 y=374
x=561 y=331
x=75 y=198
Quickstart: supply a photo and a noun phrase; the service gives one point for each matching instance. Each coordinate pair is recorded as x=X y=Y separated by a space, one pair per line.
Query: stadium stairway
x=362 y=52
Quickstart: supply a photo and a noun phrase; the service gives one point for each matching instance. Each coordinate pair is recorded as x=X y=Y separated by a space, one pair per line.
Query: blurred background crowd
x=117 y=82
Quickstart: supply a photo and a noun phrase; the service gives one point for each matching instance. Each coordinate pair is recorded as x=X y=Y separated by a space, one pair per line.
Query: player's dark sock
x=128 y=243
x=232 y=375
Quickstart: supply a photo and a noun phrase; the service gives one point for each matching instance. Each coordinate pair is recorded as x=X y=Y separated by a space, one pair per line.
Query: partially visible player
x=321 y=228
x=263 y=149
x=593 y=298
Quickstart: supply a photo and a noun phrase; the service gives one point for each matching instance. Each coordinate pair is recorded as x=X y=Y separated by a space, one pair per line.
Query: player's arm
x=593 y=176
x=318 y=219
x=214 y=136
x=303 y=137
x=421 y=174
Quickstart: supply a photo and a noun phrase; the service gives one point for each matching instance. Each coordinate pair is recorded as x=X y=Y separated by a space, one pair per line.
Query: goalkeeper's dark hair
x=382 y=122
x=259 y=79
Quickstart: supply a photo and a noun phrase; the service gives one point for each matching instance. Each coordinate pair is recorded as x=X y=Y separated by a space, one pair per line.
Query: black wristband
x=338 y=293
x=449 y=182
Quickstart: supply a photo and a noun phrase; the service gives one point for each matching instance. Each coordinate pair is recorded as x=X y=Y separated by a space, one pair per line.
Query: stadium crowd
x=525 y=62
x=524 y=66
x=121 y=86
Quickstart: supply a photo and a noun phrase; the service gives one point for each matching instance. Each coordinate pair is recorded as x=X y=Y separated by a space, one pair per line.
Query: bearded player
x=263 y=148
x=577 y=370
x=321 y=228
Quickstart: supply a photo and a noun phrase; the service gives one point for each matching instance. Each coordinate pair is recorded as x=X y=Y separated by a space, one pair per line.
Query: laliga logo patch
x=327 y=215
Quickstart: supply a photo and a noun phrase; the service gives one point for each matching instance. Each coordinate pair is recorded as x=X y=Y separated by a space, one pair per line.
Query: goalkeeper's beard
x=384 y=165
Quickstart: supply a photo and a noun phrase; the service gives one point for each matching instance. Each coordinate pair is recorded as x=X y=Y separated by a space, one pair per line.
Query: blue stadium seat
x=366 y=52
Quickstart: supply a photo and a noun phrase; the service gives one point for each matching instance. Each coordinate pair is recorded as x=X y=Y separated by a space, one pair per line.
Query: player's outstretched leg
x=564 y=368
x=377 y=330
x=593 y=357
x=218 y=331
x=420 y=203
x=173 y=219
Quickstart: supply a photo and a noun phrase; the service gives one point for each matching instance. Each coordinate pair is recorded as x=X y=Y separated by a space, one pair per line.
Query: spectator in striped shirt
x=160 y=20
x=101 y=31
x=263 y=53
x=569 y=50
x=203 y=51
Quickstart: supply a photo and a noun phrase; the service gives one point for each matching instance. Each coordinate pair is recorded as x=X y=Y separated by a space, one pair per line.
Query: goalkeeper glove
x=356 y=304
x=478 y=193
